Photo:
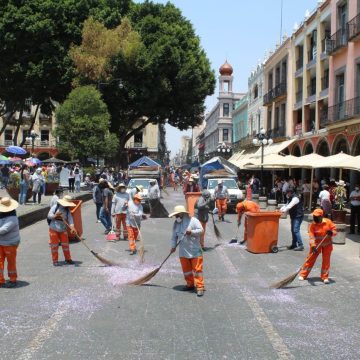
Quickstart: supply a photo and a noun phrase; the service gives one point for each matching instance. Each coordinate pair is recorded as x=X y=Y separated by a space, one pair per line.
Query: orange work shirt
x=318 y=231
x=247 y=205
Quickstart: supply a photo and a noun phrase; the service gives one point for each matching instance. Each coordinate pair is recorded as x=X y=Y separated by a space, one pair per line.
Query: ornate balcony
x=339 y=40
x=274 y=93
x=344 y=110
x=354 y=28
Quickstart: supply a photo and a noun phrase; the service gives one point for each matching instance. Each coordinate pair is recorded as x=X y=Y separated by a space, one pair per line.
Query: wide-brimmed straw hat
x=179 y=209
x=139 y=187
x=121 y=185
x=66 y=201
x=7 y=204
x=340 y=183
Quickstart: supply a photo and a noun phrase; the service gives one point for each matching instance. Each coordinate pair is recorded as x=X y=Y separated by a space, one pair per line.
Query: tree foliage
x=99 y=45
x=35 y=37
x=167 y=78
x=83 y=125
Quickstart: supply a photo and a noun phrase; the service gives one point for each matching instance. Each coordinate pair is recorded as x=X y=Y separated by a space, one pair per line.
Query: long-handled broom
x=144 y=279
x=288 y=280
x=216 y=230
x=235 y=239
x=100 y=258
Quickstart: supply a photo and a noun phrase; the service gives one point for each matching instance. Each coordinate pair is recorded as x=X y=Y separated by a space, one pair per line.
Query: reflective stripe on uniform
x=188 y=273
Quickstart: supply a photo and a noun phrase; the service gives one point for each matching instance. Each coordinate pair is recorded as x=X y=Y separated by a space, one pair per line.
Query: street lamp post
x=262 y=139
x=32 y=137
x=224 y=149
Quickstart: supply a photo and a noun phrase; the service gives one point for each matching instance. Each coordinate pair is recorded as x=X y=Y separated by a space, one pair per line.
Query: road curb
x=41 y=213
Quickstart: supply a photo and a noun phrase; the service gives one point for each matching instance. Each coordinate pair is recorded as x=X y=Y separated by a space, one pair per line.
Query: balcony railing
x=137 y=145
x=344 y=110
x=354 y=27
x=278 y=131
x=275 y=92
x=324 y=113
x=8 y=142
x=312 y=54
x=339 y=39
x=299 y=96
x=311 y=90
x=326 y=46
x=324 y=82
x=299 y=64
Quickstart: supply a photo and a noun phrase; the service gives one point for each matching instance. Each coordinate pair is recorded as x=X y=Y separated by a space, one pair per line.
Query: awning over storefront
x=274 y=148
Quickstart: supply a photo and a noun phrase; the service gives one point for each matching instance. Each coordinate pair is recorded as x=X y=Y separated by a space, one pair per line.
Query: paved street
x=86 y=311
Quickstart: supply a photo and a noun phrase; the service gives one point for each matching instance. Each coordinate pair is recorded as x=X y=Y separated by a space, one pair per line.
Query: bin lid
x=264 y=213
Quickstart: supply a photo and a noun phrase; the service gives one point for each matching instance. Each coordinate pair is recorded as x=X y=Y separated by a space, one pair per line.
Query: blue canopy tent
x=143 y=161
x=216 y=163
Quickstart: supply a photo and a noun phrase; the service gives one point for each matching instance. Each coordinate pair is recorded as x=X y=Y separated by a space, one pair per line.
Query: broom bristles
x=103 y=260
x=285 y=282
x=144 y=279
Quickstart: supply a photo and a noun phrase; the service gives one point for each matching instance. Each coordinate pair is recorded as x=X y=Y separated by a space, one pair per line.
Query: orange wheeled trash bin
x=262 y=231
x=76 y=214
x=191 y=198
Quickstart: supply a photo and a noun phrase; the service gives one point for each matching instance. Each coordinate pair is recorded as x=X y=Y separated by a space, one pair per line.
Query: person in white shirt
x=306 y=188
x=355 y=209
x=325 y=203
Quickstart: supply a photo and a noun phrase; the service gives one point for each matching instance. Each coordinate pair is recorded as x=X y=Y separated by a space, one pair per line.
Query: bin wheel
x=274 y=249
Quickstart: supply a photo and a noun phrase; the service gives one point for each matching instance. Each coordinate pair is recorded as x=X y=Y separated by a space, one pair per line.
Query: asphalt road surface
x=87 y=312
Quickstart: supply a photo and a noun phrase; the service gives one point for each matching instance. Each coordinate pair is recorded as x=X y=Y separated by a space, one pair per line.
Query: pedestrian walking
x=58 y=231
x=37 y=180
x=71 y=179
x=202 y=208
x=355 y=209
x=191 y=186
x=221 y=196
x=319 y=228
x=9 y=240
x=306 y=189
x=119 y=209
x=133 y=221
x=24 y=184
x=325 y=203
x=105 y=211
x=188 y=230
x=296 y=211
x=98 y=198
x=5 y=174
x=77 y=179
x=241 y=208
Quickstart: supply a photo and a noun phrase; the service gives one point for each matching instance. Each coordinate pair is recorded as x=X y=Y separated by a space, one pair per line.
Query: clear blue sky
x=240 y=31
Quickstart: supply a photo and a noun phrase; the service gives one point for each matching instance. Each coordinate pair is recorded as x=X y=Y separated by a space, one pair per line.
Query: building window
x=25 y=134
x=226 y=110
x=256 y=91
x=44 y=135
x=138 y=139
x=8 y=135
x=225 y=134
x=340 y=88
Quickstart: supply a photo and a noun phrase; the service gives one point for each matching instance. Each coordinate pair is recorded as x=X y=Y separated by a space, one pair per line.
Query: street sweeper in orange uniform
x=319 y=228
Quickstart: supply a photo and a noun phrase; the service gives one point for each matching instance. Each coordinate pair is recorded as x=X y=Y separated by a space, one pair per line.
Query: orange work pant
x=132 y=236
x=57 y=238
x=8 y=253
x=221 y=204
x=325 y=267
x=193 y=271
x=120 y=220
x=202 y=236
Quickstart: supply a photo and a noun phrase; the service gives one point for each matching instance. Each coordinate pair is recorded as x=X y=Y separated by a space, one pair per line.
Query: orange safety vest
x=247 y=205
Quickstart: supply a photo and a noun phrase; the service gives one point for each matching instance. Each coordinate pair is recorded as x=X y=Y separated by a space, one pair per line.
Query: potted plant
x=339 y=212
x=52 y=181
x=13 y=187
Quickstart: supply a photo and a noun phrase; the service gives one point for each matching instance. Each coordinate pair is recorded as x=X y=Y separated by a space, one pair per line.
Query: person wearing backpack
x=58 y=229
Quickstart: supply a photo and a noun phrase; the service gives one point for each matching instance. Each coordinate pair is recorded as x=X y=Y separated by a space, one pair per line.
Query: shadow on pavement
x=76 y=263
x=180 y=288
x=19 y=284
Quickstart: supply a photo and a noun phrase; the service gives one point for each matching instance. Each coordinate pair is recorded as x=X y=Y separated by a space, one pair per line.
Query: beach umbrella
x=2 y=157
x=15 y=159
x=5 y=162
x=17 y=150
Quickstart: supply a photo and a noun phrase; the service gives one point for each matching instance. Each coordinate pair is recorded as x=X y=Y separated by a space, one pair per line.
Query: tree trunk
x=31 y=125
x=18 y=124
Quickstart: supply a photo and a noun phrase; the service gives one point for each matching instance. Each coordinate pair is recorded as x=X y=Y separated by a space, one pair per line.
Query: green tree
x=35 y=37
x=166 y=78
x=83 y=125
